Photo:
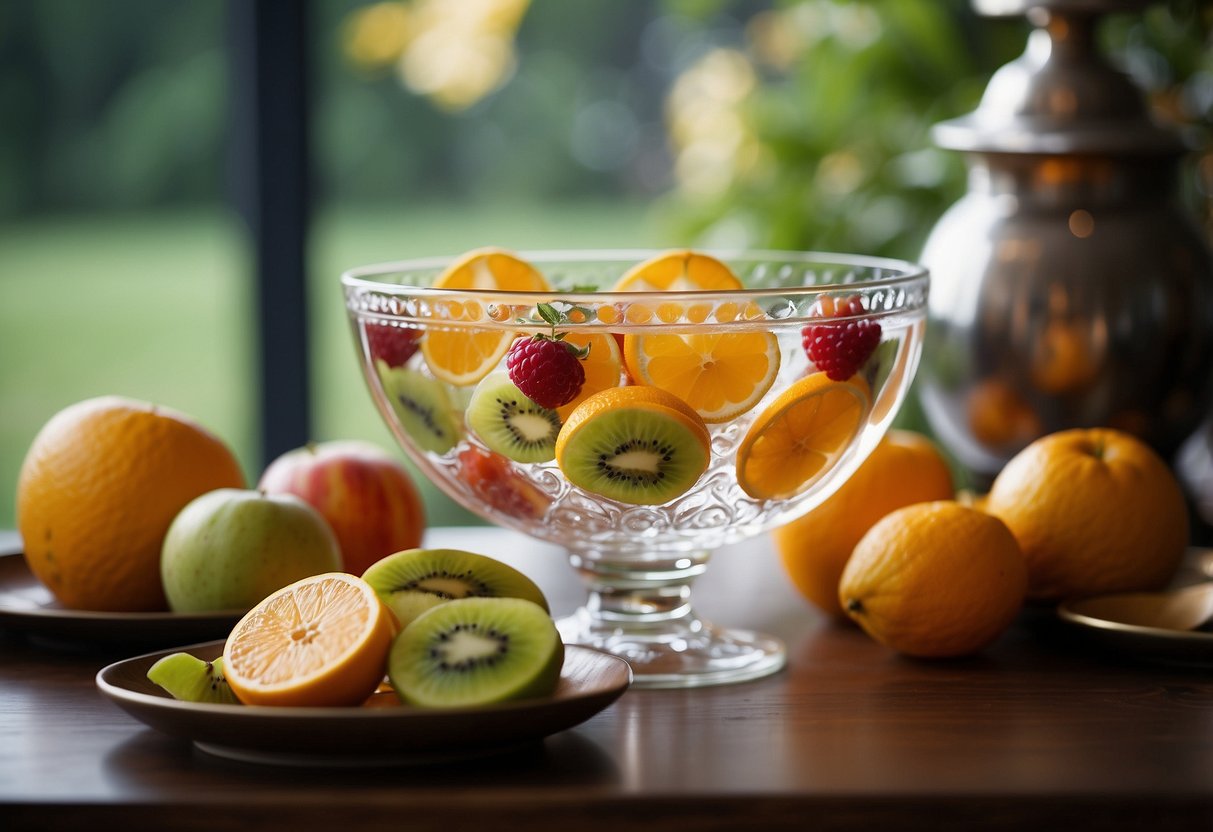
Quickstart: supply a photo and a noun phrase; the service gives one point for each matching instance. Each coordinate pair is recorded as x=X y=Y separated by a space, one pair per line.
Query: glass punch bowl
x=638 y=561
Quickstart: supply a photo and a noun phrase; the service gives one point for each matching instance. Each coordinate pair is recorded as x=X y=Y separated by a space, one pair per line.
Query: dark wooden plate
x=1133 y=641
x=27 y=605
x=589 y=682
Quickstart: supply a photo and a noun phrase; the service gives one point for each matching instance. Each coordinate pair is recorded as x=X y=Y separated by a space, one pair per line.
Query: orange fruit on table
x=801 y=435
x=935 y=580
x=1095 y=510
x=720 y=375
x=463 y=355
x=320 y=641
x=905 y=468
x=99 y=487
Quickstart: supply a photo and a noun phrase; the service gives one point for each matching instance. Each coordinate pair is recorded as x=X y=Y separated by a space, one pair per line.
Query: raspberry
x=841 y=349
x=394 y=345
x=545 y=370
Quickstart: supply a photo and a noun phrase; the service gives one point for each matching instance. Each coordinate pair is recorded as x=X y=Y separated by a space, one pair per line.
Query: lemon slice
x=801 y=436
x=721 y=376
x=462 y=355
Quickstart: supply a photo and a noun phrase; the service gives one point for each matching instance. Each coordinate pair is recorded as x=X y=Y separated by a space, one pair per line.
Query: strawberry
x=391 y=344
x=841 y=349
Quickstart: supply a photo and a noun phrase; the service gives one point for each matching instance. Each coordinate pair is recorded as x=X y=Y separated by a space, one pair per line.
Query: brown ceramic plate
x=1188 y=647
x=392 y=734
x=28 y=606
x=1089 y=619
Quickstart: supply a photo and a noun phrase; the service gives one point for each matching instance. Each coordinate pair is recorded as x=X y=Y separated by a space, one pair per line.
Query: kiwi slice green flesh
x=641 y=456
x=422 y=407
x=192 y=679
x=477 y=651
x=510 y=423
x=416 y=580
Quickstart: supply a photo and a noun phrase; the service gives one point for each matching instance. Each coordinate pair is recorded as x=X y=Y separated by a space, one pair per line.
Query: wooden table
x=1037 y=730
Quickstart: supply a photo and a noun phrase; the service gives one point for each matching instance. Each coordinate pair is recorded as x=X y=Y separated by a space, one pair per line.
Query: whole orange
x=935 y=580
x=1094 y=510
x=97 y=491
x=904 y=468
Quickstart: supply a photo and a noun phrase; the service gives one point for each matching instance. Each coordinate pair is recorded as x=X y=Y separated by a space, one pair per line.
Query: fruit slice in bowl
x=801 y=436
x=679 y=271
x=460 y=355
x=720 y=375
x=676 y=271
x=637 y=445
x=510 y=423
x=603 y=366
x=422 y=407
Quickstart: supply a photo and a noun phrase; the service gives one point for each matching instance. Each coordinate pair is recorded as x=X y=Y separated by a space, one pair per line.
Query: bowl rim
x=907 y=273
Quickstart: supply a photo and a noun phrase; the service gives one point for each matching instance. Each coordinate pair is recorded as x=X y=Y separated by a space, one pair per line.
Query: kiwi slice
x=640 y=453
x=510 y=423
x=477 y=651
x=422 y=407
x=415 y=580
x=191 y=679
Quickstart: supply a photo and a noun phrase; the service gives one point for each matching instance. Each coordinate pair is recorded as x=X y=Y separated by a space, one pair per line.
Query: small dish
x=365 y=736
x=28 y=606
x=1089 y=616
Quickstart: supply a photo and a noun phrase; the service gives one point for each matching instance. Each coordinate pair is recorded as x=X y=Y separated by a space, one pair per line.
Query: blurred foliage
x=110 y=105
x=814 y=130
x=793 y=123
x=1169 y=51
x=836 y=150
x=126 y=105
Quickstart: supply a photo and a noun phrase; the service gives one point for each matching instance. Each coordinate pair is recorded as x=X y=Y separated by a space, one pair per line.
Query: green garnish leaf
x=549 y=314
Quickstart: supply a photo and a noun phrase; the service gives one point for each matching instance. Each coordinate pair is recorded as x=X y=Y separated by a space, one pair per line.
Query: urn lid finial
x=1061 y=95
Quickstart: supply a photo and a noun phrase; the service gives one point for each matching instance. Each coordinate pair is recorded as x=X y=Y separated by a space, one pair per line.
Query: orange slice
x=603 y=367
x=800 y=436
x=679 y=271
x=675 y=271
x=461 y=355
x=720 y=376
x=323 y=640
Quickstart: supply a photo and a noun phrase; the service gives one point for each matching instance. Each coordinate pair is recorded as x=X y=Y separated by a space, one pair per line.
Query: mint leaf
x=549 y=313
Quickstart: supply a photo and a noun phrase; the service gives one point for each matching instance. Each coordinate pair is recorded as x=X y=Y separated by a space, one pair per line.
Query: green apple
x=228 y=549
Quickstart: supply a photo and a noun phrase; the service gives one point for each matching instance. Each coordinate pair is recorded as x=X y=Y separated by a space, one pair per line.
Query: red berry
x=392 y=344
x=546 y=371
x=841 y=349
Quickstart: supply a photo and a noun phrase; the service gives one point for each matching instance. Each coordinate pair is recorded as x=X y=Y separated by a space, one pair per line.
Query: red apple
x=365 y=494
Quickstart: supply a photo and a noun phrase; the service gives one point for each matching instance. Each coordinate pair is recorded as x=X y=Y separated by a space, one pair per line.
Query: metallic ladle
x=1178 y=609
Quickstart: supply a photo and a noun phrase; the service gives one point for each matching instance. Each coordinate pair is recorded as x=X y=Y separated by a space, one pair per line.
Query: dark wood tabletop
x=1042 y=729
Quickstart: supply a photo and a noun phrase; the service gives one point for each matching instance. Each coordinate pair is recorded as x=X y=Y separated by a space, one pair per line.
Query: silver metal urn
x=1069 y=287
